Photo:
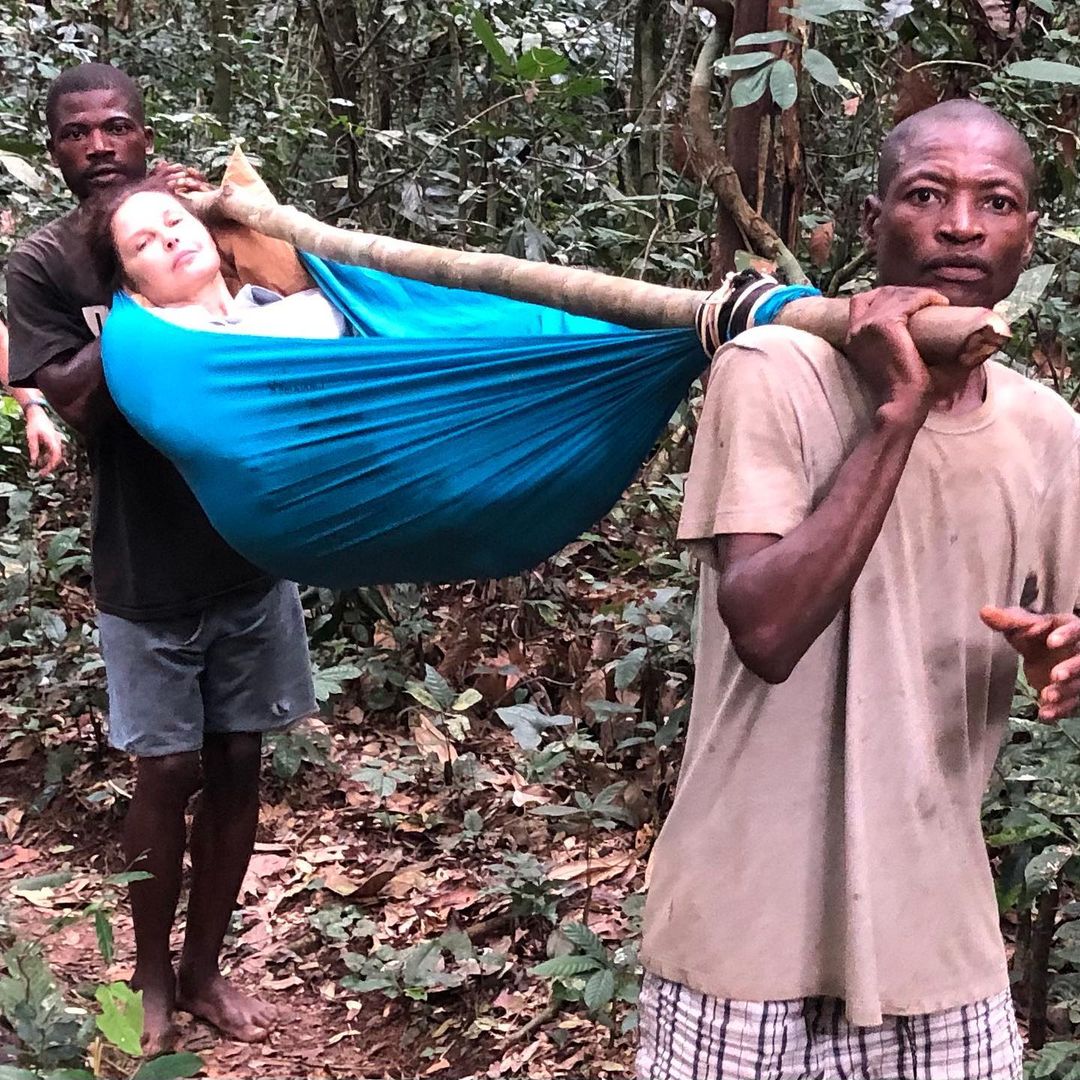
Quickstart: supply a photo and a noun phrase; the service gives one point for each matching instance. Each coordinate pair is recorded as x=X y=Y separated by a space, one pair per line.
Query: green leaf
x=103 y=930
x=381 y=780
x=749 y=88
x=1045 y=71
x=600 y=989
x=628 y=668
x=565 y=967
x=467 y=699
x=1029 y=288
x=806 y=16
x=527 y=721
x=10 y=1072
x=783 y=84
x=422 y=696
x=23 y=171
x=1071 y=235
x=541 y=63
x=331 y=680
x=126 y=877
x=585 y=939
x=63 y=542
x=1041 y=873
x=1021 y=825
x=121 y=1019
x=821 y=68
x=742 y=62
x=169 y=1067
x=581 y=86
x=768 y=37
x=1050 y=1058
x=42 y=881
x=435 y=693
x=484 y=31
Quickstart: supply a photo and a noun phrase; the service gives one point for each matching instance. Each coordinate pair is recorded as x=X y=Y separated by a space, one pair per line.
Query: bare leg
x=154 y=838
x=222 y=840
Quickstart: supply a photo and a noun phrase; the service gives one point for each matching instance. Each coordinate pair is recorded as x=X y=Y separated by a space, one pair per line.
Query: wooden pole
x=941 y=334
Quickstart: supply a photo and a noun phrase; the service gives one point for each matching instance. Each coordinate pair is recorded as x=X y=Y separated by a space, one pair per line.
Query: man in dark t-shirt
x=203 y=652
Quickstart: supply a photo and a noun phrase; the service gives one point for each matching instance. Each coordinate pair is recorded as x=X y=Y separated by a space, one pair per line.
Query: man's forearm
x=777 y=596
x=76 y=389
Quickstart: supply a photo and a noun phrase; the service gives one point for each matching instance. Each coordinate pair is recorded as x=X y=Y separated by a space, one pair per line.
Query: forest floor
x=413 y=861
x=325 y=859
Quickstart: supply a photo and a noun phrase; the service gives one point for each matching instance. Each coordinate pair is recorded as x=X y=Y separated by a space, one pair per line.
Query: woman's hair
x=101 y=210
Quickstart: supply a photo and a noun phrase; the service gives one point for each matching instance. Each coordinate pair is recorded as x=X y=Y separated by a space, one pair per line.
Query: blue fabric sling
x=457 y=435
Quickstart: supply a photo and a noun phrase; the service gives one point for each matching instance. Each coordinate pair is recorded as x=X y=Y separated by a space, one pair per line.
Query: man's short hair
x=956 y=110
x=84 y=77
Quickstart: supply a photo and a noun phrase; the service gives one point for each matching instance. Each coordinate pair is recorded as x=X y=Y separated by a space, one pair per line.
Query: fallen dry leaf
x=18 y=856
x=591 y=871
x=430 y=740
x=336 y=880
x=11 y=821
x=23 y=748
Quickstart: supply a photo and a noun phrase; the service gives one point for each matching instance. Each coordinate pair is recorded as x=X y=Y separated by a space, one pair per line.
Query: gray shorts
x=241 y=664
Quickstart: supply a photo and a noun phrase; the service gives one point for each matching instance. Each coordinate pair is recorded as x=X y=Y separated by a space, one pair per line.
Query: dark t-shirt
x=155 y=554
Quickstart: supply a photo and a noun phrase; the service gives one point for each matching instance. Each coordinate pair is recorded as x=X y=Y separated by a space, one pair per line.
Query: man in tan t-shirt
x=821 y=903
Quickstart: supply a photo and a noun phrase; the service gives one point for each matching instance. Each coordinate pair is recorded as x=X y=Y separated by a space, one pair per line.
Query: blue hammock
x=458 y=435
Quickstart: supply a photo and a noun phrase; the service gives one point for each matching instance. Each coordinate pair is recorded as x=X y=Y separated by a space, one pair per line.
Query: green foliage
x=50 y=1033
x=121 y=1017
x=290 y=750
x=583 y=969
x=532 y=893
x=1055 y=1061
x=428 y=967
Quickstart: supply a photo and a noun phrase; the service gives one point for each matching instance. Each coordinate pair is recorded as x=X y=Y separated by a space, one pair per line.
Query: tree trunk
x=764 y=147
x=339 y=38
x=1042 y=935
x=644 y=149
x=221 y=52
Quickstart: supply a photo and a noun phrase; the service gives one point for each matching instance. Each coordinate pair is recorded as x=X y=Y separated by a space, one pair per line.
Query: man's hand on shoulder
x=1050 y=648
x=880 y=346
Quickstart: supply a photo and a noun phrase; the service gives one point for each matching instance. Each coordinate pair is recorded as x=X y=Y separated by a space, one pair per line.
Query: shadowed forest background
x=451 y=863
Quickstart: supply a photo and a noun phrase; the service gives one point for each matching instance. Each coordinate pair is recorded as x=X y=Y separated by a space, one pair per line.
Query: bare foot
x=159 y=1031
x=234 y=1013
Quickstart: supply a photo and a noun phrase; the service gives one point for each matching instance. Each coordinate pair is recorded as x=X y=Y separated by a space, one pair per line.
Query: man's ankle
x=156 y=978
x=193 y=975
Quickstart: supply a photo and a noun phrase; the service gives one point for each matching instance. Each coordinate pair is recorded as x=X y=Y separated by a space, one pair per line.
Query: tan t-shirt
x=825 y=836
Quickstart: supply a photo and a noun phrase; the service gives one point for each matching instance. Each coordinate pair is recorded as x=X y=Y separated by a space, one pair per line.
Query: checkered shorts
x=690 y=1036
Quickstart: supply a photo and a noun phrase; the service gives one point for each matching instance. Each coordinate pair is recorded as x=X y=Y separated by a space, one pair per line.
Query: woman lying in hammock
x=148 y=242
x=452 y=435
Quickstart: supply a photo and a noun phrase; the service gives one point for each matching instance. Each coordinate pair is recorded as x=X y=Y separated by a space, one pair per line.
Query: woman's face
x=166 y=252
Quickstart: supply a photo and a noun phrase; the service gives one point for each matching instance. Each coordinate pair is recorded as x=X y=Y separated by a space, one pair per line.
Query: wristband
x=26 y=406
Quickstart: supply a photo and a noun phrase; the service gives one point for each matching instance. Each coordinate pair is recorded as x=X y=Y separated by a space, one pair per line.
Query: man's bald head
x=903 y=138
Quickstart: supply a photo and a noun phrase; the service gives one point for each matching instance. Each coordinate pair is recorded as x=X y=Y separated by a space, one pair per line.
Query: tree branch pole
x=939 y=332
